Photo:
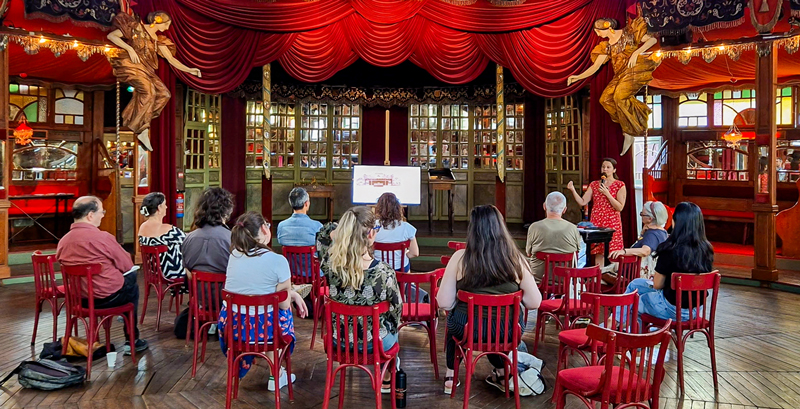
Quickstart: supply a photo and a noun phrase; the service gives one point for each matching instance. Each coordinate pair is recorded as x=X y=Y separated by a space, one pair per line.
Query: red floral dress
x=604 y=215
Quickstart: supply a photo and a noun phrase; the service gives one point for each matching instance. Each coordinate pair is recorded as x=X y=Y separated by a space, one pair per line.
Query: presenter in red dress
x=607 y=205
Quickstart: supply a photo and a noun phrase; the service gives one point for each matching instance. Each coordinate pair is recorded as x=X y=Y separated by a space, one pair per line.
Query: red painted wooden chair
x=445 y=260
x=47 y=289
x=390 y=255
x=418 y=312
x=492 y=311
x=76 y=279
x=636 y=378
x=457 y=245
x=243 y=345
x=629 y=269
x=570 y=282
x=354 y=323
x=304 y=265
x=205 y=301
x=154 y=278
x=701 y=317
x=619 y=311
x=551 y=261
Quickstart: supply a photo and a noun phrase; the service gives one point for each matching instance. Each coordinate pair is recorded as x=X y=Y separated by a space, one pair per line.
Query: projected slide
x=370 y=182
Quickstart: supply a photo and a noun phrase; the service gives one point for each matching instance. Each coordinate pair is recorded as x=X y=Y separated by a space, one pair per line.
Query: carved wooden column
x=7 y=152
x=266 y=181
x=765 y=205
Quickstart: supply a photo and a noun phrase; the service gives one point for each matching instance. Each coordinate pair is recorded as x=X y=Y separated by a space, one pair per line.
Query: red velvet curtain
x=373 y=138
x=541 y=42
x=233 y=151
x=163 y=138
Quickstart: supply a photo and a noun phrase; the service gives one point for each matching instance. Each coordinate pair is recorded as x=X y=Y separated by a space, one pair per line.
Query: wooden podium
x=322 y=191
x=440 y=180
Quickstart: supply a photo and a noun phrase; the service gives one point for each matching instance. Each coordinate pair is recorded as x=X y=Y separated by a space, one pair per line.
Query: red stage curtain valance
x=541 y=42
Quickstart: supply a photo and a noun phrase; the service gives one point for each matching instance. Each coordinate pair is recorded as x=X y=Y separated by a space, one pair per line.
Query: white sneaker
x=212 y=329
x=283 y=381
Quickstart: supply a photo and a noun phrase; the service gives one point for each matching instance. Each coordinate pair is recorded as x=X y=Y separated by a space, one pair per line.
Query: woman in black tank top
x=490 y=264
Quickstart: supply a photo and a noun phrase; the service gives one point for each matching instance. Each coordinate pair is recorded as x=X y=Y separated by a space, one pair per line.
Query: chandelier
x=23 y=132
x=733 y=136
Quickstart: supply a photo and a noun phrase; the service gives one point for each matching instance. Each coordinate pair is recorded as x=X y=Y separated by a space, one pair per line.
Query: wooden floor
x=759 y=364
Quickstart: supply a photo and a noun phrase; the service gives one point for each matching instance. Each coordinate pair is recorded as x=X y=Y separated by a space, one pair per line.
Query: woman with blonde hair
x=654 y=217
x=357 y=278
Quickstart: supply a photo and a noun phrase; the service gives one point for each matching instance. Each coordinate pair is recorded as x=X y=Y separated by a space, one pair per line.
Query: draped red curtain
x=541 y=42
x=162 y=136
x=233 y=147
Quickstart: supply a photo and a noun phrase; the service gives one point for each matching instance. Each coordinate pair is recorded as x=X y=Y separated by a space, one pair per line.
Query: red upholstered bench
x=730 y=216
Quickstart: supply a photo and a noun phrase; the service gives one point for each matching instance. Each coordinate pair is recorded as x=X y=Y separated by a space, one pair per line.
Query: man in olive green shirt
x=552 y=234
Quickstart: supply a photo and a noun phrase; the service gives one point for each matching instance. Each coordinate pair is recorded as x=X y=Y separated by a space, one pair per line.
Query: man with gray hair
x=299 y=229
x=552 y=234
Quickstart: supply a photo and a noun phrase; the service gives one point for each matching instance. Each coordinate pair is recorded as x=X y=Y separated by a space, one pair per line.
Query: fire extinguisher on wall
x=179 y=204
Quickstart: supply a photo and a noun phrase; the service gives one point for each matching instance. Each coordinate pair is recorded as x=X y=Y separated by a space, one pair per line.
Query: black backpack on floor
x=47 y=375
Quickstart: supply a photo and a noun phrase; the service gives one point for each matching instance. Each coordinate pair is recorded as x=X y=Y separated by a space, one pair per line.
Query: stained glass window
x=424 y=120
x=27 y=100
x=254 y=131
x=693 y=110
x=729 y=103
x=654 y=103
x=69 y=106
x=485 y=136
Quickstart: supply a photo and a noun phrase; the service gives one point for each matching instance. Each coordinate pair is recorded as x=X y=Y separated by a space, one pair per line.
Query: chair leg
x=432 y=338
x=558 y=395
x=326 y=396
x=132 y=336
x=713 y=352
x=680 y=345
x=539 y=333
x=469 y=368
x=317 y=315
x=236 y=378
x=194 y=354
x=513 y=372
x=91 y=335
x=189 y=326
x=456 y=364
x=56 y=311
x=393 y=382
x=288 y=360
x=377 y=382
x=341 y=387
x=203 y=348
x=107 y=327
x=276 y=374
x=36 y=319
x=229 y=387
x=160 y=300
x=144 y=302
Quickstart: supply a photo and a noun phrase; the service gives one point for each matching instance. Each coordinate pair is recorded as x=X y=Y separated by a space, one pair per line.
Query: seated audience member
x=394 y=229
x=551 y=234
x=490 y=264
x=154 y=232
x=357 y=278
x=254 y=269
x=207 y=247
x=654 y=218
x=686 y=250
x=85 y=243
x=298 y=229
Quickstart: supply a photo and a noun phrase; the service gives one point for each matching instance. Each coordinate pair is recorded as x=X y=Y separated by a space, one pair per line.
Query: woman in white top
x=394 y=229
x=254 y=269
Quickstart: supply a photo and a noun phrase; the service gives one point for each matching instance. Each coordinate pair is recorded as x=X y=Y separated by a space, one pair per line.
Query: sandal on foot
x=449 y=390
x=496 y=380
x=386 y=386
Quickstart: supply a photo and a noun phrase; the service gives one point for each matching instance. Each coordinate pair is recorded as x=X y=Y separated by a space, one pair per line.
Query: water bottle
x=400 y=389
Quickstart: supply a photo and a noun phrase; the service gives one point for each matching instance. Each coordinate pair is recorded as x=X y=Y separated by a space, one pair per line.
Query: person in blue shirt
x=298 y=229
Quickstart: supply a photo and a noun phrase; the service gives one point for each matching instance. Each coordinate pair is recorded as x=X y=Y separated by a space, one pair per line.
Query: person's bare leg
x=599 y=260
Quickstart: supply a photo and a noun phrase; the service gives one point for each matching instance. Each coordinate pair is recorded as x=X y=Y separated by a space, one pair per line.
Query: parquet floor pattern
x=757 y=350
